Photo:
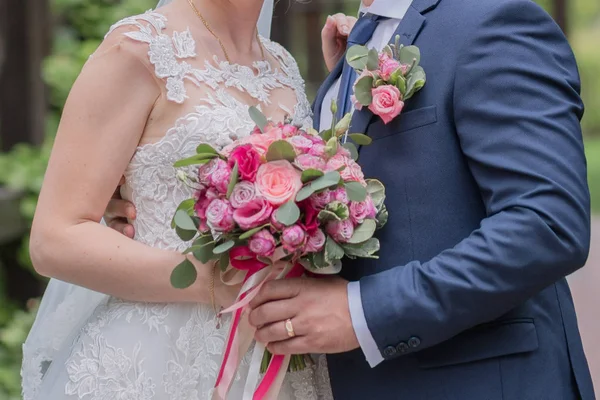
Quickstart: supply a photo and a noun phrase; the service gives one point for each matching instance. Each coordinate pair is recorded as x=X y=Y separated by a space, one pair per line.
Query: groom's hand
x=118 y=212
x=334 y=37
x=318 y=310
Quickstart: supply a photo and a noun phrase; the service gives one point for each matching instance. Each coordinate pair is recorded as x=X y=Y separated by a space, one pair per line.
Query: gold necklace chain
x=208 y=28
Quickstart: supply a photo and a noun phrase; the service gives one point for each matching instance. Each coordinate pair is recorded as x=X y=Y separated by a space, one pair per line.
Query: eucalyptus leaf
x=325 y=215
x=184 y=221
x=258 y=117
x=187 y=206
x=326 y=134
x=304 y=193
x=333 y=251
x=205 y=148
x=363 y=250
x=363 y=90
x=233 y=179
x=224 y=261
x=281 y=150
x=356 y=191
x=361 y=139
x=331 y=178
x=415 y=82
x=311 y=174
x=352 y=149
x=408 y=54
x=252 y=232
x=401 y=85
x=195 y=160
x=382 y=217
x=372 y=60
x=363 y=232
x=318 y=259
x=288 y=214
x=357 y=57
x=340 y=209
x=184 y=275
x=224 y=247
x=377 y=192
x=185 y=235
x=204 y=253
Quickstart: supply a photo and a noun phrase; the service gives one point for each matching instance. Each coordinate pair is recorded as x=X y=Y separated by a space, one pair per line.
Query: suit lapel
x=409 y=28
x=329 y=81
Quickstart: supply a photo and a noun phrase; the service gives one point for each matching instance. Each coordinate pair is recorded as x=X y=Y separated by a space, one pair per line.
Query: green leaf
x=408 y=54
x=357 y=57
x=363 y=232
x=332 y=146
x=184 y=221
x=318 y=260
x=252 y=232
x=382 y=217
x=185 y=235
x=339 y=209
x=281 y=150
x=311 y=174
x=288 y=213
x=326 y=215
x=224 y=261
x=205 y=148
x=372 y=60
x=352 y=149
x=333 y=251
x=204 y=253
x=363 y=90
x=360 y=139
x=304 y=193
x=363 y=250
x=356 y=191
x=187 y=206
x=184 y=275
x=416 y=81
x=331 y=178
x=224 y=247
x=258 y=117
x=326 y=134
x=233 y=179
x=377 y=192
x=401 y=85
x=195 y=160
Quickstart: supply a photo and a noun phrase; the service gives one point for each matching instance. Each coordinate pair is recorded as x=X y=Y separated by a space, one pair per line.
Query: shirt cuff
x=359 y=323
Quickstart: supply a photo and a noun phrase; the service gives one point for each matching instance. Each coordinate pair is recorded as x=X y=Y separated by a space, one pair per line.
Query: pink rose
x=293 y=238
x=387 y=66
x=274 y=131
x=203 y=199
x=307 y=161
x=243 y=193
x=316 y=139
x=344 y=152
x=351 y=171
x=340 y=195
x=315 y=242
x=340 y=231
x=253 y=214
x=386 y=102
x=317 y=149
x=301 y=144
x=278 y=182
x=311 y=217
x=248 y=161
x=262 y=243
x=205 y=171
x=219 y=215
x=289 y=130
x=359 y=211
x=321 y=199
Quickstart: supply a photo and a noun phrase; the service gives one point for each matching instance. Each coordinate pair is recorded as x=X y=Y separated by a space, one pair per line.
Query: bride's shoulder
x=142 y=29
x=279 y=52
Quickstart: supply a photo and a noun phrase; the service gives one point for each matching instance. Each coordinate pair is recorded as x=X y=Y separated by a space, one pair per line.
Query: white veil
x=66 y=307
x=264 y=21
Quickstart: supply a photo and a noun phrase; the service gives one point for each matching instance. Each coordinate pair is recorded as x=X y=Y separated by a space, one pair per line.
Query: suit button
x=402 y=348
x=414 y=342
x=389 y=352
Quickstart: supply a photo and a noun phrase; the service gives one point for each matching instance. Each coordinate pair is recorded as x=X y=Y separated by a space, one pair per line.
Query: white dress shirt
x=395 y=11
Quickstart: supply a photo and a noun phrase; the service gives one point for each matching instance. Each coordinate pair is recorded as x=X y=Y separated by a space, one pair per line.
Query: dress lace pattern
x=139 y=351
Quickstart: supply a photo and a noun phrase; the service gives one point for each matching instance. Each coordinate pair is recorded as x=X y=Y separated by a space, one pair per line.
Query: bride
x=158 y=85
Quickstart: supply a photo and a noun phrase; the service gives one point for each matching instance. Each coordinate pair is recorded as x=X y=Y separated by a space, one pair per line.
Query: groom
x=489 y=211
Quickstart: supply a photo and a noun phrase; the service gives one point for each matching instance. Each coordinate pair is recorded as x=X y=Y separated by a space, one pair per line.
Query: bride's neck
x=233 y=21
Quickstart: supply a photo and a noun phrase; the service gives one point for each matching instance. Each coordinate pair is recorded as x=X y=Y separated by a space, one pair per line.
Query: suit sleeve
x=517 y=111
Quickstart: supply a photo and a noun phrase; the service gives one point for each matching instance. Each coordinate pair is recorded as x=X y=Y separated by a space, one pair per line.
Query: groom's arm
x=517 y=110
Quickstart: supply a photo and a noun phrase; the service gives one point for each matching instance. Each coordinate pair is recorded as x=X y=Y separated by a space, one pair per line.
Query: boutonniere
x=386 y=79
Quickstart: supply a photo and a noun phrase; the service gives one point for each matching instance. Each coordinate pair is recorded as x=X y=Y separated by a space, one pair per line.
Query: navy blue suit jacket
x=489 y=211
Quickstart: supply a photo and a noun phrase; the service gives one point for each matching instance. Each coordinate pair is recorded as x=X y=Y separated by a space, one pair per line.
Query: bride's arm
x=100 y=129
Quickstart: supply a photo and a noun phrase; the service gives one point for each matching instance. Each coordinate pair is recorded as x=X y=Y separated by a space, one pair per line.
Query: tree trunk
x=560 y=14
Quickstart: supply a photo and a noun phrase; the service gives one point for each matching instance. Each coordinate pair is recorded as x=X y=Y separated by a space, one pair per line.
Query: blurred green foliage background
x=79 y=26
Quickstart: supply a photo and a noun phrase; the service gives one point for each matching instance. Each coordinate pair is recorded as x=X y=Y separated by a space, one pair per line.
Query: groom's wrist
x=361 y=329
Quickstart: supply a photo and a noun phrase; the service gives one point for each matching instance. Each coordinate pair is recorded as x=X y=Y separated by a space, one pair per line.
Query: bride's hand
x=334 y=37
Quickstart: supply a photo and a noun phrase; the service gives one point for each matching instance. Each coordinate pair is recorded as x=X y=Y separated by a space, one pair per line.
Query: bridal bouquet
x=276 y=204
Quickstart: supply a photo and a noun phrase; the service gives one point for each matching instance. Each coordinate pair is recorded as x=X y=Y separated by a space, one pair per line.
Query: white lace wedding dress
x=90 y=346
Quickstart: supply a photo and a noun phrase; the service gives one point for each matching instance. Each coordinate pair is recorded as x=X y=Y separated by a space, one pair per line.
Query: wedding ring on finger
x=289 y=327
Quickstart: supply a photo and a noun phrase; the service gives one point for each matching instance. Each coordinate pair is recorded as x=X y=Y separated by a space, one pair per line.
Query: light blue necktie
x=361 y=33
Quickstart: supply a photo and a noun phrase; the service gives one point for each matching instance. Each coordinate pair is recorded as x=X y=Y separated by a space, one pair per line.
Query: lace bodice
x=138 y=351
